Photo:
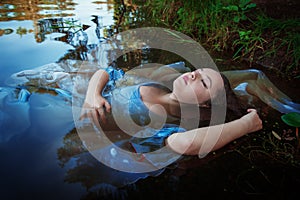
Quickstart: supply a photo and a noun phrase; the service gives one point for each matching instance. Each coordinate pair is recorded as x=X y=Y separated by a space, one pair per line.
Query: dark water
x=41 y=154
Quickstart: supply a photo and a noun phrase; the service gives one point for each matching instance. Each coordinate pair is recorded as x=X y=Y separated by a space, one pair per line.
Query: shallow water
x=42 y=156
x=33 y=131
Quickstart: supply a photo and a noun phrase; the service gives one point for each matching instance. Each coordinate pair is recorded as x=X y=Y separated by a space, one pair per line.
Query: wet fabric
x=159 y=154
x=21 y=110
x=147 y=139
x=130 y=94
x=40 y=99
x=38 y=102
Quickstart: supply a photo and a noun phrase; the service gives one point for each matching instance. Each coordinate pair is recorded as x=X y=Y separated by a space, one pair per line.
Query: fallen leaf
x=276 y=135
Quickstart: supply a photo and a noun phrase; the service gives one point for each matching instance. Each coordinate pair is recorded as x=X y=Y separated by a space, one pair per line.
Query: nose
x=195 y=74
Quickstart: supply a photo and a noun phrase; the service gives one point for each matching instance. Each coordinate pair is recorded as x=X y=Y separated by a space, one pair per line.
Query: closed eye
x=204 y=84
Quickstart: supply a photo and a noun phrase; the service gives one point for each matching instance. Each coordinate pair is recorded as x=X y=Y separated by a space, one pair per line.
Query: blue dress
x=147 y=143
x=134 y=117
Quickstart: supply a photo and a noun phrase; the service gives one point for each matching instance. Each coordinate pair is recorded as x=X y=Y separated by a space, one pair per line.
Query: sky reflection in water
x=36 y=159
x=41 y=154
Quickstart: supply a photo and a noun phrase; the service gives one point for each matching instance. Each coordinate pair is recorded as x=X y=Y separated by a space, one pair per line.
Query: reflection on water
x=41 y=32
x=21 y=10
x=126 y=14
x=42 y=155
x=35 y=10
x=39 y=145
x=67 y=30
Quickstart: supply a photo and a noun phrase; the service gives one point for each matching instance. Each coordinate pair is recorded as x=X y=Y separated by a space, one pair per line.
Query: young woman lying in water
x=192 y=93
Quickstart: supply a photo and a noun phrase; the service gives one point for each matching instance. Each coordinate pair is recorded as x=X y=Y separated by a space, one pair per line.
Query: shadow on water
x=43 y=156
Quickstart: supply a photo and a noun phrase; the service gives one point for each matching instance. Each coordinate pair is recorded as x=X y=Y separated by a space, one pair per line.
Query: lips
x=185 y=78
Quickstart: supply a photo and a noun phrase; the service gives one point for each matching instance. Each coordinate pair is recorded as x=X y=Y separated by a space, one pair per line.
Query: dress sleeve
x=150 y=139
x=153 y=148
x=114 y=75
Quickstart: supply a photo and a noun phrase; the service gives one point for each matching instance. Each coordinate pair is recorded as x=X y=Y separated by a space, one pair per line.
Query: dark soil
x=280 y=9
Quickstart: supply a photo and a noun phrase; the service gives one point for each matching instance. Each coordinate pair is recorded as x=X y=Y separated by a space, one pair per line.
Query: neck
x=178 y=109
x=170 y=103
x=152 y=96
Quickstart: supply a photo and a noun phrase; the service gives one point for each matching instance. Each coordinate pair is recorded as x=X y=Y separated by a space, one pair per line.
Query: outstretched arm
x=204 y=140
x=94 y=104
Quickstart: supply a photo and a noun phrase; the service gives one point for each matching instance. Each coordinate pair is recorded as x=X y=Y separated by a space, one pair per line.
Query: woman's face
x=198 y=86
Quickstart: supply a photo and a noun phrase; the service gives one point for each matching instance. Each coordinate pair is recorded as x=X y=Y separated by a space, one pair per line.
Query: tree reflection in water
x=81 y=167
x=98 y=179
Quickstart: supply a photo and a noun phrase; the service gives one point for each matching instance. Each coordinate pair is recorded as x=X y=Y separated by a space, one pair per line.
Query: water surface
x=41 y=154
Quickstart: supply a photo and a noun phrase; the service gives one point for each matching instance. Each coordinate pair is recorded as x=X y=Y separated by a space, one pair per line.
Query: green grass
x=235 y=26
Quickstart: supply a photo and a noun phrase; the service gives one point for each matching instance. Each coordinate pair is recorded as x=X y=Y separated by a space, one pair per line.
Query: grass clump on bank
x=235 y=26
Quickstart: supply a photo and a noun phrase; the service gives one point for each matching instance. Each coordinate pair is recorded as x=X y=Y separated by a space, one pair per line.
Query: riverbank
x=258 y=32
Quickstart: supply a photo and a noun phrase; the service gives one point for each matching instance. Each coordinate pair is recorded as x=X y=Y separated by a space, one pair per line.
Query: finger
x=83 y=114
x=251 y=110
x=84 y=111
x=89 y=115
x=102 y=114
x=107 y=106
x=95 y=118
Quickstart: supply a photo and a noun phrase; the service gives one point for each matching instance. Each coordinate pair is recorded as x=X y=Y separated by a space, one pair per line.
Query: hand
x=252 y=120
x=94 y=109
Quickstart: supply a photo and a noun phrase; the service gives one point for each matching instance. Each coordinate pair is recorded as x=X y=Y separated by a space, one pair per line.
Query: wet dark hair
x=234 y=107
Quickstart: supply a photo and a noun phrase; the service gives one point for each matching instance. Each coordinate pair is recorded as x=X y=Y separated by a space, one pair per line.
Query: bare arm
x=204 y=140
x=94 y=103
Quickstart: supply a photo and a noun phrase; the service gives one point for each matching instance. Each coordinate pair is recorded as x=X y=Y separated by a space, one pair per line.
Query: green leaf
x=291 y=119
x=236 y=19
x=251 y=5
x=180 y=11
x=231 y=8
x=243 y=17
x=243 y=3
x=244 y=34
